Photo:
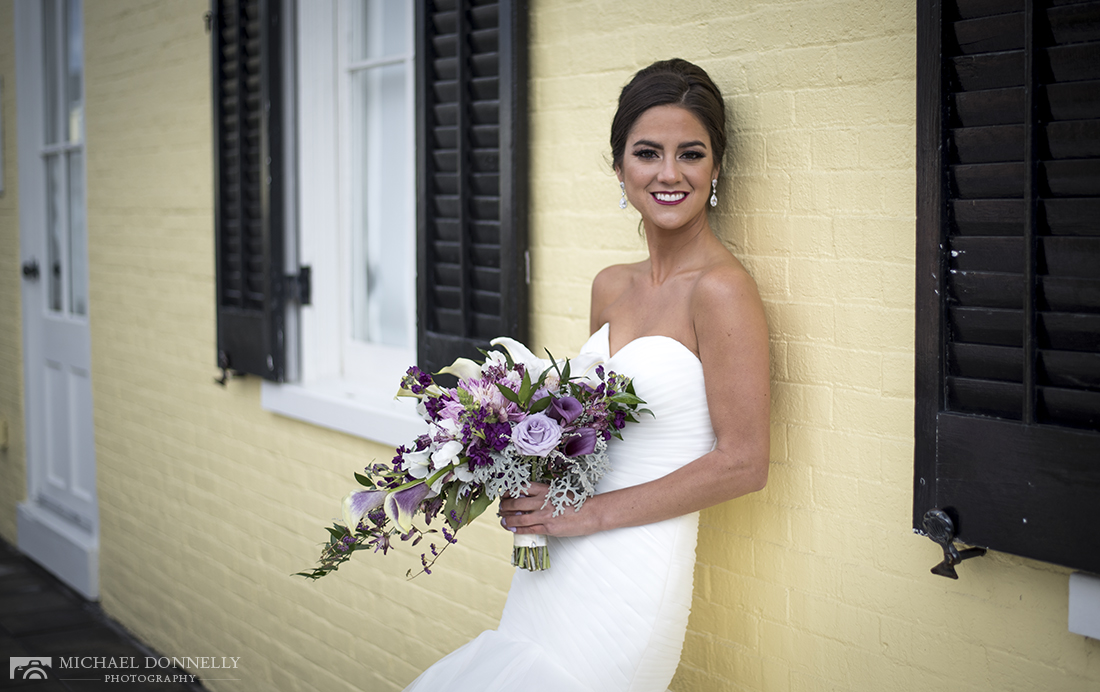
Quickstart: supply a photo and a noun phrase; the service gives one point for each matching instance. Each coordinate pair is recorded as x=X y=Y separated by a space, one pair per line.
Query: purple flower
x=536 y=435
x=360 y=502
x=496 y=435
x=581 y=442
x=565 y=410
x=403 y=504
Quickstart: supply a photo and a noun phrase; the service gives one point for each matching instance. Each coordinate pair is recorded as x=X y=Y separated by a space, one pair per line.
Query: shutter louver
x=992 y=186
x=248 y=225
x=1008 y=282
x=471 y=177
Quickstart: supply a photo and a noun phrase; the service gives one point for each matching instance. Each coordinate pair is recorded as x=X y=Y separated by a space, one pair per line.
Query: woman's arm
x=729 y=323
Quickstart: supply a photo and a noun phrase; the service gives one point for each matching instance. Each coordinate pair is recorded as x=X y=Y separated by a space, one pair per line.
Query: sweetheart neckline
x=606 y=328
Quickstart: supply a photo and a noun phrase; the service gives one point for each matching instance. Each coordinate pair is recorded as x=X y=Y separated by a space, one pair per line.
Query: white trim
x=1084 y=604
x=379 y=62
x=341 y=384
x=66 y=545
x=68 y=551
x=343 y=406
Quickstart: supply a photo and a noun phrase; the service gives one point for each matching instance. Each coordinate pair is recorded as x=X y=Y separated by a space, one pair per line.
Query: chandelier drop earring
x=622 y=200
x=714 y=192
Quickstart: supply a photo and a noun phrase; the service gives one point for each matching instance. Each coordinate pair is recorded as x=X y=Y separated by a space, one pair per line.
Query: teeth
x=669 y=196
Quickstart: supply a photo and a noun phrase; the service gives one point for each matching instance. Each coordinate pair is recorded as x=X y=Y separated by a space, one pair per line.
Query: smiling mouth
x=669 y=197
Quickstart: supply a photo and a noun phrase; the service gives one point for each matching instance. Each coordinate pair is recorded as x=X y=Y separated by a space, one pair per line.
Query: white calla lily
x=463 y=369
x=534 y=365
x=584 y=365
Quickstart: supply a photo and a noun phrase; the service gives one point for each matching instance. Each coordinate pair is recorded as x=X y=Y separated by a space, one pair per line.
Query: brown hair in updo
x=674 y=82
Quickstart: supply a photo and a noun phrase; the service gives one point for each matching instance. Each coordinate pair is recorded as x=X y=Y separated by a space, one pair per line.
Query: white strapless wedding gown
x=611 y=612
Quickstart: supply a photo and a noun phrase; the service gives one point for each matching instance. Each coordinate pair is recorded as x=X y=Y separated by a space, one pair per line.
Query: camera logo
x=29 y=667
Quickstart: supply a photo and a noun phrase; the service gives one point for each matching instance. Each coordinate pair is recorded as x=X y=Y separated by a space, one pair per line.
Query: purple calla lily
x=580 y=443
x=565 y=410
x=402 y=505
x=358 y=503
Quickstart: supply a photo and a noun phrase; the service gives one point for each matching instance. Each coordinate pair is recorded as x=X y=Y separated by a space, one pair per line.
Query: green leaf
x=541 y=405
x=554 y=364
x=508 y=393
x=336 y=535
x=565 y=372
x=479 y=505
x=525 y=390
x=449 y=507
x=627 y=399
x=364 y=481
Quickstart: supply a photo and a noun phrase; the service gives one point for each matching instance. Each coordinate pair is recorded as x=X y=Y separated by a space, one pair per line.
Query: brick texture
x=208 y=503
x=13 y=481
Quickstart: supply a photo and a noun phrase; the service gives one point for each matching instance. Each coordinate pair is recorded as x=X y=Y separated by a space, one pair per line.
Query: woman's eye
x=693 y=155
x=646 y=154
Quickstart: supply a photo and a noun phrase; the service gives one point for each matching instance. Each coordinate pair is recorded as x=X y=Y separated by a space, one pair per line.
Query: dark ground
x=42 y=618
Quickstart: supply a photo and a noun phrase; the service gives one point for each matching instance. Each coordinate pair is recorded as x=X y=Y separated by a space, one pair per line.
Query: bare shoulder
x=725 y=304
x=608 y=286
x=723 y=285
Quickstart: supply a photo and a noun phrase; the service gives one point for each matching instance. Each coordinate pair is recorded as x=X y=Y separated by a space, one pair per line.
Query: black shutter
x=1008 y=275
x=248 y=182
x=471 y=176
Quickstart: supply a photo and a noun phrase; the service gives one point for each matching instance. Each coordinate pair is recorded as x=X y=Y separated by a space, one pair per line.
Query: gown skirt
x=611 y=612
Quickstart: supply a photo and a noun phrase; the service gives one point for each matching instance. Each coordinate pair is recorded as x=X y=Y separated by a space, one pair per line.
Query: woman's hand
x=526 y=514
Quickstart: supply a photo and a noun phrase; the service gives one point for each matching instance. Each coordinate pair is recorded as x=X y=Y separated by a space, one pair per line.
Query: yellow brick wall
x=816 y=583
x=208 y=503
x=13 y=482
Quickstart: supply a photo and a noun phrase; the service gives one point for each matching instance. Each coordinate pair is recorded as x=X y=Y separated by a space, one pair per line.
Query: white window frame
x=338 y=383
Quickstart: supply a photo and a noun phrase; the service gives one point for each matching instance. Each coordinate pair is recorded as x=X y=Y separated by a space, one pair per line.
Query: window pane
x=74 y=77
x=78 y=237
x=382 y=221
x=52 y=60
x=55 y=232
x=380 y=29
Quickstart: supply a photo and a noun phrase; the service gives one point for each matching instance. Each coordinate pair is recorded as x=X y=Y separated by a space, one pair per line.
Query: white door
x=58 y=524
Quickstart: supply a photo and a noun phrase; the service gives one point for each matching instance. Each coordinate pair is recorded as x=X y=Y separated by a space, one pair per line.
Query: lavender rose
x=565 y=410
x=536 y=435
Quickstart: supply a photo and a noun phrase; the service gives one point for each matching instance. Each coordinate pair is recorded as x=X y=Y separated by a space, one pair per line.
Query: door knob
x=30 y=269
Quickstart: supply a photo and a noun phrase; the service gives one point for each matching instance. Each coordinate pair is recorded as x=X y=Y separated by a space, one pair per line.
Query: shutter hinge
x=299 y=287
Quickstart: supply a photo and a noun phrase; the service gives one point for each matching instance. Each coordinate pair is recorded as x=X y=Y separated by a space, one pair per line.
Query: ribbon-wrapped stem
x=530 y=552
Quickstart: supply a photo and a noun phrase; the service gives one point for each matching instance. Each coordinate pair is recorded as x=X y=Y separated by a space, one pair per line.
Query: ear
x=619 y=173
x=717 y=170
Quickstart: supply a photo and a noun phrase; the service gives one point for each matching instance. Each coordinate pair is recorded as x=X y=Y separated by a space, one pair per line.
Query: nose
x=670 y=171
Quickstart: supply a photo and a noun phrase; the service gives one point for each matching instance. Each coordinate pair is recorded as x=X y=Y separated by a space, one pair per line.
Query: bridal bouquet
x=513 y=420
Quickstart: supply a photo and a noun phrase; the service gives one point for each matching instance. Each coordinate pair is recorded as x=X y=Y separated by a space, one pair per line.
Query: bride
x=688 y=325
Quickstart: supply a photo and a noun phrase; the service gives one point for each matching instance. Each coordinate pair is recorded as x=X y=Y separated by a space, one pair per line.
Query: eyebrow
x=685 y=145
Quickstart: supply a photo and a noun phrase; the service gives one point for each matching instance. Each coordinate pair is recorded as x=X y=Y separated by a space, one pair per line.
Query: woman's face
x=667 y=167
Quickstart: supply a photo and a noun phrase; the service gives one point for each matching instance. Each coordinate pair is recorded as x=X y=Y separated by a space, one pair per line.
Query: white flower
x=416 y=463
x=463 y=369
x=443 y=430
x=447 y=454
x=463 y=473
x=521 y=354
x=495 y=358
